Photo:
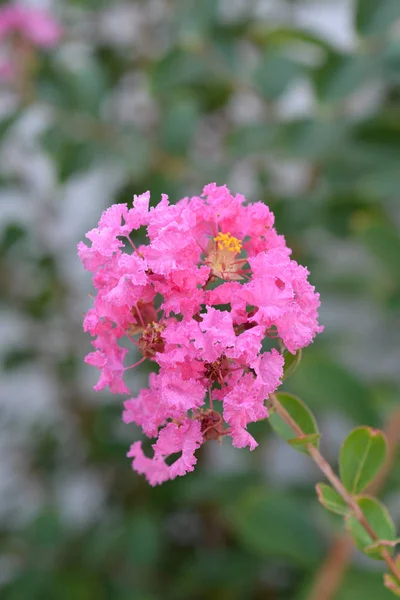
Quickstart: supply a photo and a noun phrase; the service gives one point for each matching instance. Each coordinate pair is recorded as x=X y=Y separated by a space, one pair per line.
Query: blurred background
x=295 y=103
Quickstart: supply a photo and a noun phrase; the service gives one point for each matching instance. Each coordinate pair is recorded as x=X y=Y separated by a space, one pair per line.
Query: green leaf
x=300 y=413
x=380 y=181
x=343 y=75
x=133 y=151
x=265 y=37
x=11 y=235
x=326 y=384
x=373 y=17
x=274 y=525
x=251 y=139
x=7 y=122
x=274 y=74
x=179 y=125
x=177 y=68
x=70 y=155
x=380 y=521
x=362 y=455
x=196 y=18
x=362 y=585
x=292 y=361
x=383 y=240
x=313 y=139
x=46 y=530
x=16 y=358
x=234 y=570
x=142 y=538
x=80 y=91
x=302 y=440
x=331 y=499
x=382 y=544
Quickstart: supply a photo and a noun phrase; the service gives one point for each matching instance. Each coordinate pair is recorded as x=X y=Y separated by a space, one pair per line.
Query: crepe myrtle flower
x=198 y=299
x=22 y=29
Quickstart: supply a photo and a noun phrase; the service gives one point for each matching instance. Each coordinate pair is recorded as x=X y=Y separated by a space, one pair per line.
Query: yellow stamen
x=226 y=241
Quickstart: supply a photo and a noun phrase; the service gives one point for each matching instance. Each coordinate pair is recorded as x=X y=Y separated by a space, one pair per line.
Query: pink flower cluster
x=31 y=25
x=214 y=280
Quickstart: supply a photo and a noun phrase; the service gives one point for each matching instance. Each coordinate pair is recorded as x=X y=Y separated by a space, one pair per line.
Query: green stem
x=327 y=470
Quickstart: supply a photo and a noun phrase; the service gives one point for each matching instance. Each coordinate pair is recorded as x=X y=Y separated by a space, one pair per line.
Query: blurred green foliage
x=198 y=92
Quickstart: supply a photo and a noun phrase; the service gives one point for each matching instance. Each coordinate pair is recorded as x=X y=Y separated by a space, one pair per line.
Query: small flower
x=32 y=24
x=197 y=300
x=23 y=29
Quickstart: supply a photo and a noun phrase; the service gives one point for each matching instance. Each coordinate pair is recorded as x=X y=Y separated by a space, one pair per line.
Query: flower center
x=211 y=425
x=217 y=370
x=144 y=314
x=151 y=340
x=226 y=241
x=221 y=257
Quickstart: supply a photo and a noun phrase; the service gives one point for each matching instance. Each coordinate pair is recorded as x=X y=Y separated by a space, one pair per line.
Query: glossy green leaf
x=301 y=414
x=362 y=584
x=331 y=499
x=380 y=521
x=292 y=361
x=362 y=455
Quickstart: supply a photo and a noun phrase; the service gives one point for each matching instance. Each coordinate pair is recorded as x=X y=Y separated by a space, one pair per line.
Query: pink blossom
x=182 y=290
x=184 y=438
x=268 y=367
x=146 y=410
x=108 y=357
x=197 y=300
x=130 y=273
x=244 y=404
x=178 y=394
x=155 y=469
x=34 y=25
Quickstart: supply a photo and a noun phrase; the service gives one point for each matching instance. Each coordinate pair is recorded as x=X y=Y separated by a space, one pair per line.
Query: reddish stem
x=136 y=364
x=336 y=483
